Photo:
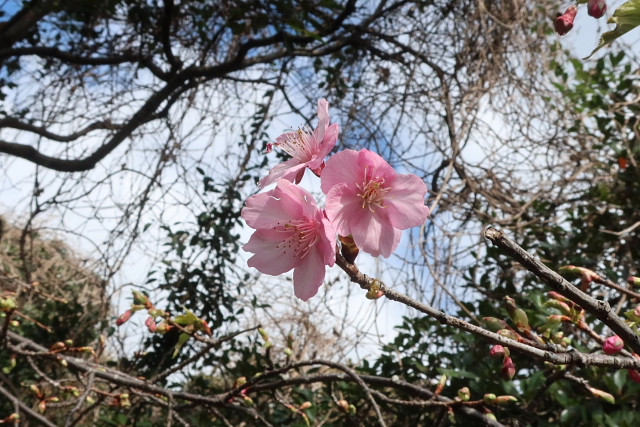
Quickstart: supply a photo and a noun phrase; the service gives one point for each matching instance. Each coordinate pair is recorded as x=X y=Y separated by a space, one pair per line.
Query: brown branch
x=553 y=354
x=600 y=309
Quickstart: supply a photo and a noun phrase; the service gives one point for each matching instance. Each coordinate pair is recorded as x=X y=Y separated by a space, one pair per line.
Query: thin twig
x=24 y=408
x=88 y=387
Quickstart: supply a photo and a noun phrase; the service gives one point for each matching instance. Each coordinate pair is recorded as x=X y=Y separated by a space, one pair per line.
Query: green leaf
x=181 y=341
x=626 y=18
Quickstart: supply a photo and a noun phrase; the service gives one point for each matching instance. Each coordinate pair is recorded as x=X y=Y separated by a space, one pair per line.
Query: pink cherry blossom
x=291 y=233
x=368 y=199
x=307 y=148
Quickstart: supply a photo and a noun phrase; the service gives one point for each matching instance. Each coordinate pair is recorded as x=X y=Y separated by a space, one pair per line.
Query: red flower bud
x=124 y=317
x=596 y=8
x=151 y=324
x=634 y=375
x=508 y=369
x=497 y=351
x=613 y=345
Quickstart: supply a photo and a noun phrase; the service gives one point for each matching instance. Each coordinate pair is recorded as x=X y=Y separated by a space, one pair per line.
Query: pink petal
x=273 y=208
x=341 y=168
x=373 y=160
x=269 y=258
x=327 y=246
x=342 y=206
x=287 y=170
x=405 y=202
x=374 y=234
x=323 y=122
x=309 y=276
x=329 y=141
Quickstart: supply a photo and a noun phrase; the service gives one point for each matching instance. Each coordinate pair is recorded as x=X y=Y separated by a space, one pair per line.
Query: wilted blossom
x=307 y=148
x=368 y=199
x=597 y=8
x=564 y=22
x=613 y=345
x=291 y=233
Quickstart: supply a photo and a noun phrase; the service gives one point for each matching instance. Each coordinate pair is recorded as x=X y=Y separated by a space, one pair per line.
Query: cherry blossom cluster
x=564 y=22
x=367 y=201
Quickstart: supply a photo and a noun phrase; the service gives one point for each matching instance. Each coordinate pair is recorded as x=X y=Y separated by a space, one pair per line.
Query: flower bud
x=602 y=395
x=556 y=296
x=288 y=352
x=565 y=342
x=374 y=291
x=124 y=317
x=263 y=334
x=508 y=369
x=141 y=299
x=163 y=328
x=494 y=325
x=7 y=304
x=150 y=323
x=596 y=8
x=344 y=405
x=305 y=405
x=489 y=398
x=501 y=400
x=464 y=394
x=240 y=382
x=557 y=338
x=613 y=345
x=634 y=375
x=508 y=334
x=348 y=248
x=58 y=346
x=634 y=281
x=562 y=307
x=352 y=409
x=497 y=352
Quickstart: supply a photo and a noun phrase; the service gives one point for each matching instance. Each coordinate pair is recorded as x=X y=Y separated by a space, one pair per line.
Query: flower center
x=297 y=144
x=372 y=190
x=301 y=236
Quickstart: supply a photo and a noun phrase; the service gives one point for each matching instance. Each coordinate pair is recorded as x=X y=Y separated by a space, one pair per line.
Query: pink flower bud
x=596 y=8
x=497 y=351
x=124 y=317
x=634 y=375
x=613 y=345
x=508 y=369
x=151 y=324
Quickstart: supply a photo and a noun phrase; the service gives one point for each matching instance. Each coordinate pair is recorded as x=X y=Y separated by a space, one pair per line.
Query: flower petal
x=342 y=205
x=270 y=258
x=374 y=234
x=309 y=276
x=405 y=202
x=341 y=168
x=287 y=170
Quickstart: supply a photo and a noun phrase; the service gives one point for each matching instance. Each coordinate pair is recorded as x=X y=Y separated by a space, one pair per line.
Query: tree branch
x=600 y=309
